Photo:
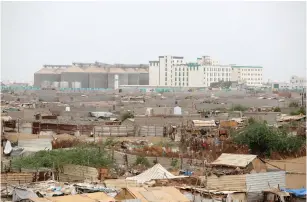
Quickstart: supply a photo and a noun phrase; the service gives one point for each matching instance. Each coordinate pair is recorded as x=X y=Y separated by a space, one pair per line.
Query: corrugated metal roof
x=258 y=182
x=227 y=182
x=154 y=173
x=235 y=160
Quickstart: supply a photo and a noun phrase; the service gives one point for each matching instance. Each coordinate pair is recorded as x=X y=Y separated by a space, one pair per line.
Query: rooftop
x=234 y=160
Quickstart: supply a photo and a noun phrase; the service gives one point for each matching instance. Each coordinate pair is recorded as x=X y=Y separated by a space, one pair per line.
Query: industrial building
x=91 y=75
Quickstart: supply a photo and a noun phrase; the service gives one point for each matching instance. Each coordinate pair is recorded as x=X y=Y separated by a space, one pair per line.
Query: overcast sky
x=270 y=34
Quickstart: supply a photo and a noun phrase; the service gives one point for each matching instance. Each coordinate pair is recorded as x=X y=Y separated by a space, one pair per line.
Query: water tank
x=56 y=84
x=76 y=84
x=64 y=84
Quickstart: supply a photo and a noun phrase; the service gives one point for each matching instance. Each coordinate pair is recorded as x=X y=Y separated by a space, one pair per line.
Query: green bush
x=141 y=160
x=238 y=108
x=293 y=104
x=175 y=163
x=302 y=110
x=57 y=158
x=277 y=109
x=263 y=139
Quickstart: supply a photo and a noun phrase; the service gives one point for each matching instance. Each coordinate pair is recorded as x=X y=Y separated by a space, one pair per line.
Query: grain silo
x=47 y=73
x=143 y=76
x=98 y=77
x=75 y=74
x=133 y=76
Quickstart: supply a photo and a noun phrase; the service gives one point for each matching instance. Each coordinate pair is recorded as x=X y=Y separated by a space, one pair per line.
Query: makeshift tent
x=22 y=194
x=154 y=173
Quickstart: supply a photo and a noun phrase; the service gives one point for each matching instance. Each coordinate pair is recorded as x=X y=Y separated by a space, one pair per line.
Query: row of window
x=217 y=69
x=251 y=79
x=217 y=79
x=257 y=69
x=218 y=74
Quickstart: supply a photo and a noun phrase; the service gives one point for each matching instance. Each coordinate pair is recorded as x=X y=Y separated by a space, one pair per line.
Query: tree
x=262 y=139
x=277 y=109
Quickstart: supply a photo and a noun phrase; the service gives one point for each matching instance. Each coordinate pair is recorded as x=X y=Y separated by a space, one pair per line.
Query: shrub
x=86 y=156
x=293 y=104
x=251 y=120
x=175 y=163
x=141 y=160
x=263 y=140
x=238 y=108
x=126 y=115
x=301 y=110
x=277 y=109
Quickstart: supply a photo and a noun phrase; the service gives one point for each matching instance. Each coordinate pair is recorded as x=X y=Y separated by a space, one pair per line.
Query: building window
x=182 y=73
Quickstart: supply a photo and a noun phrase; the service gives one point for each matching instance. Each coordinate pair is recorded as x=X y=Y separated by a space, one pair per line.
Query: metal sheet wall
x=123 y=79
x=98 y=80
x=258 y=182
x=133 y=79
x=111 y=80
x=144 y=79
x=70 y=77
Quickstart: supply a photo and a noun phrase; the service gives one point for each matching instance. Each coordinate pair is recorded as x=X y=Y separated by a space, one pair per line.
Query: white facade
x=250 y=75
x=298 y=82
x=174 y=71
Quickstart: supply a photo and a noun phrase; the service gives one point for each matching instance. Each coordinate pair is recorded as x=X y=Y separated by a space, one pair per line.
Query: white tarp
x=101 y=114
x=8 y=147
x=22 y=194
x=154 y=173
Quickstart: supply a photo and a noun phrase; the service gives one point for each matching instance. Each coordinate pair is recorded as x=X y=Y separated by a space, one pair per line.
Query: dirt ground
x=297 y=166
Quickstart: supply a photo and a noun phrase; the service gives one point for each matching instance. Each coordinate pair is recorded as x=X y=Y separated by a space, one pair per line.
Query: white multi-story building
x=298 y=82
x=250 y=75
x=174 y=71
